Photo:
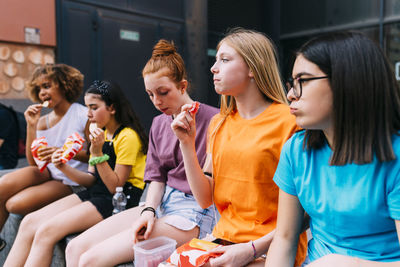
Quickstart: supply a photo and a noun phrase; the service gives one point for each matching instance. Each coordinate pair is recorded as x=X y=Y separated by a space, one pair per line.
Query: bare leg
x=76 y=219
x=37 y=196
x=119 y=248
x=14 y=182
x=101 y=231
x=29 y=225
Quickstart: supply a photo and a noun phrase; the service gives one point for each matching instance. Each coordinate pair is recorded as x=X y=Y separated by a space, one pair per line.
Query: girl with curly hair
x=27 y=189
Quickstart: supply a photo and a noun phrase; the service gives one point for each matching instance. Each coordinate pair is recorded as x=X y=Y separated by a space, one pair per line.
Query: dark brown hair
x=112 y=95
x=366 y=97
x=68 y=79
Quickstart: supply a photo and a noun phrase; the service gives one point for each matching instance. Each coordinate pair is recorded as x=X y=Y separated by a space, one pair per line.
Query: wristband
x=254 y=249
x=97 y=160
x=148 y=209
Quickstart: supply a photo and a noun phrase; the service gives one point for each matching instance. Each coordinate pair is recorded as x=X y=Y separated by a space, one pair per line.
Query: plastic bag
x=71 y=147
x=36 y=144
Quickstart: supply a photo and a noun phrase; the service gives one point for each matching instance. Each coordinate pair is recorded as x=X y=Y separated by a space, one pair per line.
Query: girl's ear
x=111 y=109
x=182 y=86
x=251 y=75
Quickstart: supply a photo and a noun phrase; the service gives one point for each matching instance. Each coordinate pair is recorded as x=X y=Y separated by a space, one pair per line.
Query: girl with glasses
x=343 y=170
x=244 y=143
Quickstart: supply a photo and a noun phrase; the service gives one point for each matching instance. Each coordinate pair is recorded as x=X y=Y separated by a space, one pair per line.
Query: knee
x=88 y=259
x=14 y=205
x=46 y=234
x=74 y=250
x=6 y=186
x=28 y=225
x=29 y=222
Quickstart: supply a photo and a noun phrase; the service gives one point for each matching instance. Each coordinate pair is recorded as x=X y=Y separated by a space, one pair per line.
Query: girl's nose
x=157 y=100
x=290 y=95
x=41 y=92
x=214 y=68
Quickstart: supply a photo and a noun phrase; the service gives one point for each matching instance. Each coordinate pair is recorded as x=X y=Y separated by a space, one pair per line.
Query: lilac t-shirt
x=164 y=161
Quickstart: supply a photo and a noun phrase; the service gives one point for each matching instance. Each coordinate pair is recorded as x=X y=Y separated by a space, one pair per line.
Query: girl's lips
x=164 y=110
x=293 y=110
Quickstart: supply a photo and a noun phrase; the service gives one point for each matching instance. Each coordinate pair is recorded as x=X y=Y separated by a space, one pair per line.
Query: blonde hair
x=259 y=53
x=166 y=57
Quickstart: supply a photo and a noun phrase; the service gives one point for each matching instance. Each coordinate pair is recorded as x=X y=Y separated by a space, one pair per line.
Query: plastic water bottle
x=119 y=200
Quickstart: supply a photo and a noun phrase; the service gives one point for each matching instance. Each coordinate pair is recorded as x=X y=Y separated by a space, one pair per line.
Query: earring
x=182 y=91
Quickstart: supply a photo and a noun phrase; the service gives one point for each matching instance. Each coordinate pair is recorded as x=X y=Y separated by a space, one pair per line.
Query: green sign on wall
x=129 y=35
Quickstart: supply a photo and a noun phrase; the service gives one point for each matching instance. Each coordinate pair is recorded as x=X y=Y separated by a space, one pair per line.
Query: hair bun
x=164 y=48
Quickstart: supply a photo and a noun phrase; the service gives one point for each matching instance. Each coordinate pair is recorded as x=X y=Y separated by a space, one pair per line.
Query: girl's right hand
x=56 y=158
x=32 y=114
x=184 y=126
x=97 y=140
x=143 y=227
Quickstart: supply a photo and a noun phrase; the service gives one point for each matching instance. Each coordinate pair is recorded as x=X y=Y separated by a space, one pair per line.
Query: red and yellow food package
x=36 y=144
x=71 y=147
x=194 y=108
x=193 y=254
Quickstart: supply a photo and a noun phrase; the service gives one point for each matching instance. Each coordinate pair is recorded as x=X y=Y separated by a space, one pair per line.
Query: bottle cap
x=118 y=189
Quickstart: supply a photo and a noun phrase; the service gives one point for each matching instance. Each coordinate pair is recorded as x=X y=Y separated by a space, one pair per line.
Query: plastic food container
x=151 y=252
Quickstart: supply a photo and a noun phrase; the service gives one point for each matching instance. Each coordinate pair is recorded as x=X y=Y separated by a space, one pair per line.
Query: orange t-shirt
x=245 y=155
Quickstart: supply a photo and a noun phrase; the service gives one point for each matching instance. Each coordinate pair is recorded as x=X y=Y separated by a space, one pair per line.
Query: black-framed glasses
x=297 y=84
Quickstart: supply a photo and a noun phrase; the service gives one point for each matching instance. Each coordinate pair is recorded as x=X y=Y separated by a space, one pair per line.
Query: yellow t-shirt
x=128 y=151
x=245 y=155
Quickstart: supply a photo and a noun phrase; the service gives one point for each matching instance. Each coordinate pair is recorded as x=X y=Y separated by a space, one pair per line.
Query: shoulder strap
x=120 y=128
x=47 y=121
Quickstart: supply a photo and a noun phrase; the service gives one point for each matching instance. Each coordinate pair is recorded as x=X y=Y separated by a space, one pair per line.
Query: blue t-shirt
x=352 y=207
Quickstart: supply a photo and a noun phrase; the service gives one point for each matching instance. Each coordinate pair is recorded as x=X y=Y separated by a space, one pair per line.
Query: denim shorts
x=184 y=213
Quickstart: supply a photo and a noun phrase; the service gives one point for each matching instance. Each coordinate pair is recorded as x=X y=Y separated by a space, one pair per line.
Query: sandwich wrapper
x=193 y=254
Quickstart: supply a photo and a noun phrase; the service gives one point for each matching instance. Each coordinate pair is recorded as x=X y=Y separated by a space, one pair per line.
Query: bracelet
x=96 y=160
x=148 y=209
x=208 y=174
x=254 y=249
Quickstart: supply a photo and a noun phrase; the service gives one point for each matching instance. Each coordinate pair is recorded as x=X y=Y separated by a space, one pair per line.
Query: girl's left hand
x=44 y=153
x=233 y=255
x=96 y=142
x=184 y=125
x=56 y=158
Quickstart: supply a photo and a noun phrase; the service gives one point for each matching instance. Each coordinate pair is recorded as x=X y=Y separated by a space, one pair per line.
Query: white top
x=73 y=121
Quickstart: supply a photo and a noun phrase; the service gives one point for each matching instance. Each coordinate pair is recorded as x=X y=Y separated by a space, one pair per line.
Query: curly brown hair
x=68 y=79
